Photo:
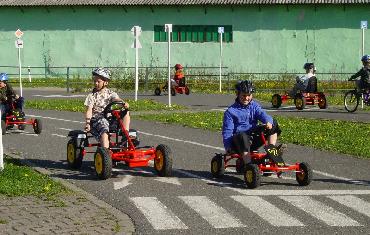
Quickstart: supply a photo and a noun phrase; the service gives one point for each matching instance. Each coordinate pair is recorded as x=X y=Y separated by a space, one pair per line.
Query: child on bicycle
x=95 y=103
x=303 y=82
x=241 y=119
x=364 y=74
x=8 y=95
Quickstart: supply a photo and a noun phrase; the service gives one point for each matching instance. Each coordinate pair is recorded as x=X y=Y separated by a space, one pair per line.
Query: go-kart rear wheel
x=322 y=103
x=276 y=101
x=187 y=90
x=157 y=91
x=252 y=176
x=74 y=154
x=299 y=102
x=21 y=127
x=173 y=91
x=217 y=166
x=163 y=160
x=304 y=177
x=37 y=126
x=103 y=163
x=239 y=166
x=3 y=127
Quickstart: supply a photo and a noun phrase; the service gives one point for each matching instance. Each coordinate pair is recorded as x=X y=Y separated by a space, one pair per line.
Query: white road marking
x=203 y=145
x=215 y=215
x=168 y=180
x=302 y=192
x=353 y=202
x=63 y=136
x=267 y=211
x=358 y=182
x=320 y=211
x=60 y=96
x=125 y=181
x=158 y=215
x=66 y=129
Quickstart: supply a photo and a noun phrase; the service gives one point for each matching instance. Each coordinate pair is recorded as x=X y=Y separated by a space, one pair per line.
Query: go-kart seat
x=312 y=85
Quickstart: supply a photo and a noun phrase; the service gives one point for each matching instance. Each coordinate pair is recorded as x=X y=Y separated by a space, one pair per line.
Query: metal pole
x=136 y=70
x=1 y=148
x=67 y=79
x=220 y=62
x=20 y=71
x=169 y=68
x=363 y=41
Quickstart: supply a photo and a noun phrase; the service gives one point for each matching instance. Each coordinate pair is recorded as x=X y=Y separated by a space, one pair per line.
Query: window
x=193 y=33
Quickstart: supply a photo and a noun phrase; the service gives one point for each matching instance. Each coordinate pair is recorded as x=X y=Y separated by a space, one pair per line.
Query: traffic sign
x=19 y=43
x=18 y=33
x=220 y=29
x=168 y=28
x=136 y=30
x=364 y=24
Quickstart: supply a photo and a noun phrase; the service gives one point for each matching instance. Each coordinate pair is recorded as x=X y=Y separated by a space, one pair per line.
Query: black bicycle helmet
x=245 y=87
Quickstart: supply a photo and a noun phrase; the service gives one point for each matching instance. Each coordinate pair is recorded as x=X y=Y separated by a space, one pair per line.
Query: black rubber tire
x=276 y=101
x=157 y=91
x=299 y=102
x=353 y=98
x=74 y=154
x=252 y=176
x=322 y=102
x=173 y=91
x=239 y=166
x=37 y=126
x=103 y=163
x=163 y=160
x=3 y=127
x=218 y=166
x=304 y=178
x=187 y=90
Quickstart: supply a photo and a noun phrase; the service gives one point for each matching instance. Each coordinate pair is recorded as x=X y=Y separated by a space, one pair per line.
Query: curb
x=125 y=221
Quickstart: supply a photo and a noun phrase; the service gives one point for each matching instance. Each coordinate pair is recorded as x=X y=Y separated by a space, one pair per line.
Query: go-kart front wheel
x=74 y=155
x=299 y=101
x=37 y=126
x=252 y=176
x=276 y=101
x=304 y=177
x=103 y=163
x=217 y=166
x=187 y=90
x=322 y=103
x=163 y=160
x=157 y=91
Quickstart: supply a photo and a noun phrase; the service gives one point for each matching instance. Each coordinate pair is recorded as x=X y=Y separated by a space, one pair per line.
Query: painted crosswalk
x=273 y=213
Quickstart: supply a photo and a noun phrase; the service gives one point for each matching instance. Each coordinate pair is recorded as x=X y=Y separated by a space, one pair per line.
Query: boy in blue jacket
x=240 y=122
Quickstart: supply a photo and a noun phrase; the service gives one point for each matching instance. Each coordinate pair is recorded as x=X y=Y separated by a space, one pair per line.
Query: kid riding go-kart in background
x=177 y=83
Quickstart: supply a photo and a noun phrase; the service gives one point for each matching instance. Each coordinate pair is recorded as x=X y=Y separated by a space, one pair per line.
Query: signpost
x=19 y=46
x=363 y=27
x=168 y=29
x=1 y=149
x=136 y=31
x=220 y=32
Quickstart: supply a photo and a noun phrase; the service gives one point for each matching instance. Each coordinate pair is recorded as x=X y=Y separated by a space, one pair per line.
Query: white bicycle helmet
x=102 y=72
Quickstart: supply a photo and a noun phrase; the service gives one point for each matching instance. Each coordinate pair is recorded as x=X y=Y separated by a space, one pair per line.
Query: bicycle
x=352 y=99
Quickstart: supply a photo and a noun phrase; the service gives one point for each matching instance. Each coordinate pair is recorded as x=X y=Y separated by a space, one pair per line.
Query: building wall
x=265 y=39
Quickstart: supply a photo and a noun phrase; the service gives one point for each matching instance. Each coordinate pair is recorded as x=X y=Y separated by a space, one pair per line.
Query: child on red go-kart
x=179 y=76
x=95 y=104
x=240 y=121
x=364 y=74
x=303 y=83
x=8 y=96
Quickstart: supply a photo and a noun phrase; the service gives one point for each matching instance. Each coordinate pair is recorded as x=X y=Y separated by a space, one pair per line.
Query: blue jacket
x=241 y=118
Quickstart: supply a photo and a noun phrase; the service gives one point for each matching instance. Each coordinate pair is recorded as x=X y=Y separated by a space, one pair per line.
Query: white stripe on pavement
x=215 y=215
x=267 y=211
x=321 y=211
x=158 y=215
x=302 y=192
x=354 y=203
x=63 y=136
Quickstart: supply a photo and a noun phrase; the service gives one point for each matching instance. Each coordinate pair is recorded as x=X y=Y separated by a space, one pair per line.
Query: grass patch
x=19 y=180
x=77 y=105
x=336 y=136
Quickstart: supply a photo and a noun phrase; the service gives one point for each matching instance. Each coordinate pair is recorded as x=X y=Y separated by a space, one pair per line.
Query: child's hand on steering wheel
x=268 y=126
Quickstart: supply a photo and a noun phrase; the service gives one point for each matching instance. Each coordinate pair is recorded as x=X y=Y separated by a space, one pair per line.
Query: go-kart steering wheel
x=108 y=108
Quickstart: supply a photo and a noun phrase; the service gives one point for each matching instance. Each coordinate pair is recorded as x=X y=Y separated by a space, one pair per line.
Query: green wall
x=276 y=38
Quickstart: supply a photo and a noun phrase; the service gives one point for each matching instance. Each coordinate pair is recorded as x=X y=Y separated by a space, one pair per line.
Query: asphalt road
x=192 y=202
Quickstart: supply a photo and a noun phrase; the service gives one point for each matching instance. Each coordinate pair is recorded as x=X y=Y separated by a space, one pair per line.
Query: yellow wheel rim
x=249 y=176
x=214 y=166
x=299 y=103
x=98 y=163
x=159 y=160
x=71 y=153
x=300 y=176
x=274 y=100
x=321 y=102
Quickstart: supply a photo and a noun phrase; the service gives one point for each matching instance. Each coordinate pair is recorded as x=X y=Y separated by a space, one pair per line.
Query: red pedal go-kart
x=181 y=88
x=123 y=148
x=17 y=117
x=301 y=100
x=262 y=163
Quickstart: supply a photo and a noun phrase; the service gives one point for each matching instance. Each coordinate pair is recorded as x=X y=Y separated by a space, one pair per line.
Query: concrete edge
x=125 y=222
